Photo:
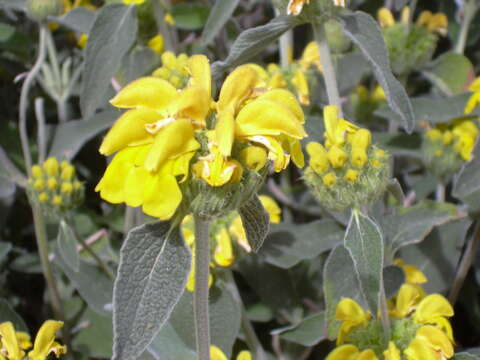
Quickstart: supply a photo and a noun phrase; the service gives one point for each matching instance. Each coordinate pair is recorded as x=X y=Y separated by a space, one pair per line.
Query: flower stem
x=24 y=97
x=250 y=336
x=86 y=247
x=327 y=64
x=465 y=264
x=200 y=305
x=440 y=192
x=42 y=244
x=384 y=313
x=469 y=10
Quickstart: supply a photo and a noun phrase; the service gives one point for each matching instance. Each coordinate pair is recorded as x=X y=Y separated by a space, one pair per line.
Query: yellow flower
x=351 y=352
x=133 y=2
x=413 y=275
x=223 y=254
x=406 y=301
x=318 y=157
x=82 y=41
x=254 y=157
x=336 y=129
x=351 y=175
x=434 y=310
x=311 y=57
x=295 y=7
x=433 y=22
x=385 y=18
x=329 y=179
x=351 y=314
x=392 y=352
x=9 y=341
x=51 y=166
x=272 y=208
x=156 y=44
x=429 y=343
x=217 y=354
x=45 y=343
x=168 y=18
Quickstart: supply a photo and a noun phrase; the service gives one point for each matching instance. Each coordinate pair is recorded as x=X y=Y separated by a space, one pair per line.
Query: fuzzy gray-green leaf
x=220 y=13
x=67 y=246
x=255 y=222
x=364 y=31
x=364 y=241
x=153 y=271
x=393 y=278
x=310 y=331
x=112 y=35
x=339 y=265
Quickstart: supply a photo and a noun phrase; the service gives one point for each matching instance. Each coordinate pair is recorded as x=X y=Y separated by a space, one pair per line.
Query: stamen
x=155 y=127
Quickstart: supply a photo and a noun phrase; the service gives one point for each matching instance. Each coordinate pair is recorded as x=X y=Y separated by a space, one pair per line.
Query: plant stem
x=470 y=8
x=163 y=28
x=86 y=247
x=42 y=244
x=285 y=43
x=24 y=98
x=250 y=336
x=200 y=305
x=465 y=264
x=384 y=313
x=440 y=192
x=41 y=133
x=327 y=64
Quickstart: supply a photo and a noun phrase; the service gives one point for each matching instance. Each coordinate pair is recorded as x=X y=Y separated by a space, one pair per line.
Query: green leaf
x=434 y=110
x=395 y=189
x=91 y=282
x=220 y=13
x=393 y=278
x=78 y=19
x=27 y=263
x=411 y=225
x=14 y=4
x=466 y=186
x=450 y=72
x=339 y=280
x=8 y=314
x=111 y=37
x=9 y=171
x=255 y=221
x=225 y=316
x=438 y=255
x=168 y=345
x=71 y=136
x=6 y=32
x=288 y=244
x=96 y=337
x=364 y=31
x=400 y=144
x=67 y=246
x=364 y=241
x=139 y=62
x=351 y=68
x=465 y=356
x=189 y=16
x=5 y=248
x=259 y=312
x=252 y=41
x=152 y=274
x=309 y=332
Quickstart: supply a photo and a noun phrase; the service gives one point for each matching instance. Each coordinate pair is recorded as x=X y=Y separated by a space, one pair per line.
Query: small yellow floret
x=376 y=164
x=337 y=157
x=57 y=200
x=52 y=183
x=39 y=184
x=43 y=197
x=37 y=171
x=67 y=188
x=351 y=176
x=168 y=18
x=359 y=157
x=68 y=171
x=329 y=179
x=51 y=166
x=434 y=134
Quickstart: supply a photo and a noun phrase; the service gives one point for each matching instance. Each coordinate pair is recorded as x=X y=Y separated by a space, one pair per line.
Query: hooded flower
x=432 y=22
x=155 y=140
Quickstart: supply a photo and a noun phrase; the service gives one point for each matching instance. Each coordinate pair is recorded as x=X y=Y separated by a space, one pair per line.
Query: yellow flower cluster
x=55 y=185
x=420 y=329
x=295 y=7
x=347 y=170
x=295 y=76
x=432 y=22
x=474 y=100
x=223 y=230
x=217 y=354
x=170 y=141
x=460 y=137
x=174 y=69
x=15 y=343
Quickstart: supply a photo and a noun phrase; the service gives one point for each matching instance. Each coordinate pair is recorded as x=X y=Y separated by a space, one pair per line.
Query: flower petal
x=367 y=355
x=419 y=350
x=272 y=208
x=194 y=103
x=224 y=132
x=436 y=339
x=392 y=352
x=408 y=296
x=431 y=307
x=162 y=195
x=223 y=254
x=385 y=18
x=244 y=355
x=135 y=184
x=129 y=130
x=45 y=339
x=172 y=141
x=199 y=68
x=349 y=310
x=237 y=87
x=344 y=352
x=216 y=353
x=265 y=117
x=287 y=99
x=149 y=92
x=10 y=342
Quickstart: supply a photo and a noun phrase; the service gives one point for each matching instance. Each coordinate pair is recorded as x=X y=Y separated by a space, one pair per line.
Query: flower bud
x=57 y=200
x=39 y=184
x=253 y=157
x=41 y=9
x=359 y=157
x=51 y=166
x=67 y=188
x=52 y=183
x=351 y=175
x=329 y=179
x=68 y=172
x=318 y=157
x=37 y=171
x=337 y=156
x=362 y=139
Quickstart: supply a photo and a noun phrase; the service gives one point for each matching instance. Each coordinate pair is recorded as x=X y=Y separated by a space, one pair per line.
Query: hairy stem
x=465 y=264
x=92 y=253
x=327 y=64
x=24 y=98
x=470 y=8
x=440 y=192
x=200 y=304
x=42 y=244
x=250 y=336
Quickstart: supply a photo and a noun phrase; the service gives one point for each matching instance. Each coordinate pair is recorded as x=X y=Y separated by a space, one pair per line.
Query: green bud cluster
x=55 y=187
x=41 y=9
x=409 y=49
x=351 y=186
